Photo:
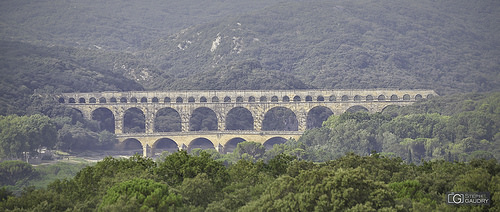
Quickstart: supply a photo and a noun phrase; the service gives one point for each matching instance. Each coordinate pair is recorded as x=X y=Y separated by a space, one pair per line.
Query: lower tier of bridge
x=222 y=141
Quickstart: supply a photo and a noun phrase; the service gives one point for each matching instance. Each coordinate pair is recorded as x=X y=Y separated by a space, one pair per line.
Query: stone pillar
x=149 y=119
x=118 y=113
x=147 y=151
x=185 y=116
x=302 y=120
x=257 y=122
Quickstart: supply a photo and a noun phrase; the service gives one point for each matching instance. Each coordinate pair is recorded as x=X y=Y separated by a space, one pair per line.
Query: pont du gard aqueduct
x=220 y=104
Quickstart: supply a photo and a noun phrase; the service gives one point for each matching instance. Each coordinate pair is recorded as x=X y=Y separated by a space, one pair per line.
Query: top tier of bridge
x=247 y=96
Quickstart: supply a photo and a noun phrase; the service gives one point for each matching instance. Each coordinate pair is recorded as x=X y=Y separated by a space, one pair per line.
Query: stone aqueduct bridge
x=257 y=102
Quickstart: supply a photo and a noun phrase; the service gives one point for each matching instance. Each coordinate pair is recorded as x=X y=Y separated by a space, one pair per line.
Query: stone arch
x=286 y=99
x=369 y=98
x=167 y=100
x=61 y=100
x=239 y=118
x=273 y=141
x=263 y=99
x=167 y=120
x=179 y=100
x=215 y=99
x=102 y=100
x=297 y=99
x=309 y=98
x=332 y=98
x=203 y=119
x=406 y=97
x=144 y=100
x=164 y=144
x=71 y=100
x=280 y=119
x=430 y=96
x=81 y=100
x=131 y=146
x=390 y=109
x=381 y=97
x=123 y=100
x=191 y=99
x=112 y=100
x=357 y=98
x=320 y=99
x=345 y=98
x=356 y=108
x=133 y=100
x=92 y=100
x=231 y=145
x=251 y=99
x=394 y=97
x=418 y=97
x=203 y=99
x=105 y=119
x=134 y=121
x=274 y=99
x=239 y=99
x=155 y=100
x=200 y=143
x=227 y=99
x=316 y=116
x=75 y=114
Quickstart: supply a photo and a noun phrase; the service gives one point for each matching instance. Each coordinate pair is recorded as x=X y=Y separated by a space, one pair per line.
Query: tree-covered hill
x=449 y=46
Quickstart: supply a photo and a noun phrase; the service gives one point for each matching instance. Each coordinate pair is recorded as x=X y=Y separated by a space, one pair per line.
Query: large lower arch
x=273 y=141
x=232 y=144
x=239 y=118
x=280 y=119
x=356 y=108
x=200 y=143
x=134 y=121
x=75 y=115
x=165 y=144
x=131 y=146
x=203 y=119
x=167 y=120
x=316 y=116
x=105 y=119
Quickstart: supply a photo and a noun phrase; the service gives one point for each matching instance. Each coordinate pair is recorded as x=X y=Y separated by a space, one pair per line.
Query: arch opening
x=320 y=99
x=61 y=100
x=280 y=119
x=179 y=100
x=134 y=121
x=418 y=97
x=381 y=98
x=71 y=100
x=167 y=100
x=269 y=144
x=356 y=108
x=286 y=99
x=296 y=99
x=274 y=99
x=203 y=119
x=102 y=100
x=263 y=99
x=369 y=98
x=191 y=99
x=394 y=97
x=92 y=100
x=309 y=98
x=105 y=119
x=239 y=99
x=251 y=99
x=239 y=118
x=81 y=100
x=316 y=116
x=167 y=120
x=227 y=99
x=133 y=100
x=406 y=97
x=215 y=99
x=154 y=100
x=164 y=144
x=332 y=98
x=345 y=98
x=200 y=143
x=144 y=100
x=232 y=144
x=112 y=100
x=130 y=145
x=123 y=100
x=203 y=99
x=357 y=98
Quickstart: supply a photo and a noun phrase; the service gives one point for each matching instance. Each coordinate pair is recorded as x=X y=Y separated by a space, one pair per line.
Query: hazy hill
x=450 y=46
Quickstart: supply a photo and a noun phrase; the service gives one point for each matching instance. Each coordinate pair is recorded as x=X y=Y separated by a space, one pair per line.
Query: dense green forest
x=184 y=182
